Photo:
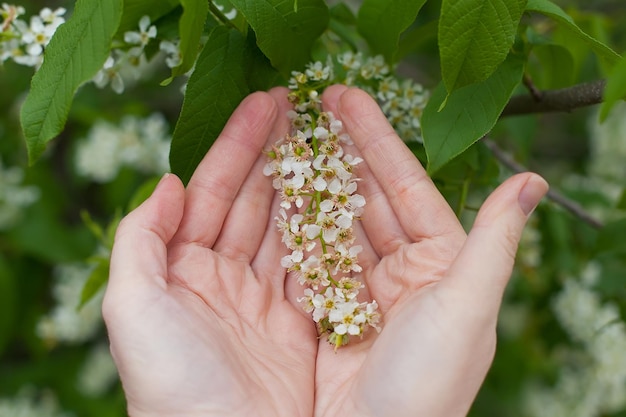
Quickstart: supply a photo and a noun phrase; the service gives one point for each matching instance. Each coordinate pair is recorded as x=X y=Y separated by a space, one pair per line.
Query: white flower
x=146 y=32
x=347 y=318
x=109 y=73
x=52 y=18
x=173 y=57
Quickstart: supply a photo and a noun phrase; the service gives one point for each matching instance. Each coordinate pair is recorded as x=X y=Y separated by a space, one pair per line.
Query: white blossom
x=311 y=171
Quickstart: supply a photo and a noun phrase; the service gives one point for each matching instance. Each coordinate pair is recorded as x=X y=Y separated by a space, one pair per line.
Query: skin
x=203 y=320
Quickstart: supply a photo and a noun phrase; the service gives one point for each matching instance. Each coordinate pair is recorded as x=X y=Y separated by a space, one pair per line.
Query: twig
x=553 y=195
x=563 y=100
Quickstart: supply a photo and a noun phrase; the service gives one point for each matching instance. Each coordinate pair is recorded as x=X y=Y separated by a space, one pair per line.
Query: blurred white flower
x=140 y=144
x=109 y=73
x=30 y=402
x=66 y=322
x=25 y=43
x=173 y=57
x=98 y=373
x=592 y=379
x=14 y=196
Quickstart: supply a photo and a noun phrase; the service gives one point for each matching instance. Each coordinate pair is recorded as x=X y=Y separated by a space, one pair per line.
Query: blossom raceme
x=320 y=205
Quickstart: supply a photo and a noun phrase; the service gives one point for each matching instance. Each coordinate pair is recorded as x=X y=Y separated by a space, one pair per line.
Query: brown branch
x=553 y=195
x=563 y=100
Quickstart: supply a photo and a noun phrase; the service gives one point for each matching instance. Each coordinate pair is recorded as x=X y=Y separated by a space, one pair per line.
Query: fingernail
x=532 y=192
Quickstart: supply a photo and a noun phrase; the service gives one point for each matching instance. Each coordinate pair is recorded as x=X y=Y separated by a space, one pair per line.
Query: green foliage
x=135 y=9
x=469 y=114
x=551 y=10
x=191 y=28
x=381 y=22
x=214 y=90
x=76 y=53
x=475 y=36
x=284 y=33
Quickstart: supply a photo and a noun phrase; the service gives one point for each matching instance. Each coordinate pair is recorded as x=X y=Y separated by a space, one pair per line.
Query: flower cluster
x=23 y=42
x=128 y=61
x=141 y=144
x=315 y=178
x=591 y=382
x=402 y=101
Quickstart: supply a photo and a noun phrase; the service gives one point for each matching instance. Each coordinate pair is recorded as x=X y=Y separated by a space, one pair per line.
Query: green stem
x=217 y=13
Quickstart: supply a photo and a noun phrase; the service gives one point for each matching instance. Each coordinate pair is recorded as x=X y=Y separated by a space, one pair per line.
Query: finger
x=139 y=256
x=246 y=222
x=484 y=264
x=380 y=224
x=218 y=178
x=420 y=208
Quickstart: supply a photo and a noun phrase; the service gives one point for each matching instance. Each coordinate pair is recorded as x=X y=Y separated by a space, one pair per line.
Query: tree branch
x=553 y=195
x=563 y=100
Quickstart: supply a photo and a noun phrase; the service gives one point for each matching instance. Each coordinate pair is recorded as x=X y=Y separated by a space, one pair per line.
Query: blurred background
x=562 y=338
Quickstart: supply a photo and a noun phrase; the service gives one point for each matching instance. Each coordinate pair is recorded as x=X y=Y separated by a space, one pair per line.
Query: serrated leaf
x=615 y=89
x=475 y=37
x=214 y=90
x=470 y=113
x=284 y=35
x=381 y=22
x=551 y=10
x=76 y=52
x=190 y=30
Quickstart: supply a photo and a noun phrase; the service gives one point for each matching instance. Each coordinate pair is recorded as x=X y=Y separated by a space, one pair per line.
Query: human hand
x=439 y=290
x=200 y=318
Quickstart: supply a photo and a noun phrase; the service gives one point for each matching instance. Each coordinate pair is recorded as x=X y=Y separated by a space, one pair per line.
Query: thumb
x=484 y=265
x=139 y=255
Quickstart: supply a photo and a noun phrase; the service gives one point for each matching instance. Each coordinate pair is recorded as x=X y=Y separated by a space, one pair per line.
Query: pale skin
x=203 y=320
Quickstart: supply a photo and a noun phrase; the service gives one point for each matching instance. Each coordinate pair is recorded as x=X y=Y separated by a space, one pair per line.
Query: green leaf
x=215 y=88
x=381 y=22
x=95 y=282
x=551 y=10
x=470 y=113
x=134 y=10
x=285 y=36
x=475 y=37
x=75 y=53
x=615 y=89
x=190 y=28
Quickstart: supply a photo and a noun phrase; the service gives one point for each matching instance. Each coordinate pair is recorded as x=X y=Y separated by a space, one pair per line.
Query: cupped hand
x=439 y=290
x=203 y=320
x=196 y=306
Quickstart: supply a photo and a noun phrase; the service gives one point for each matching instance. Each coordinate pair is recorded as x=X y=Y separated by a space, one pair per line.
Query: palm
x=208 y=286
x=203 y=320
